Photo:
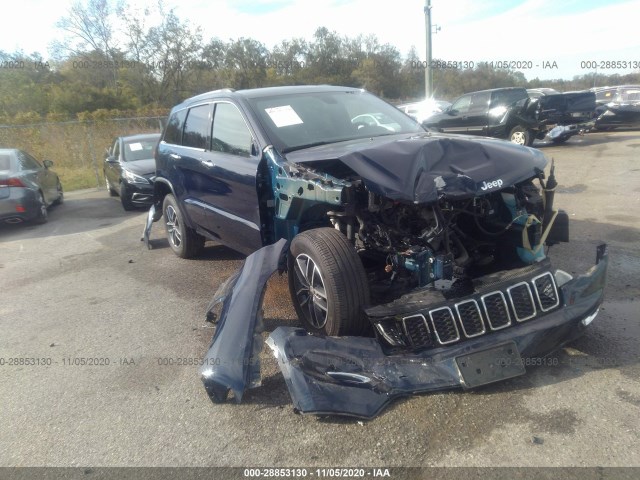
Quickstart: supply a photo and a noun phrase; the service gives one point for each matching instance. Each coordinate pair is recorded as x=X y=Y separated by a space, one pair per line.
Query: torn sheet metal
x=420 y=169
x=147 y=226
x=232 y=362
x=352 y=375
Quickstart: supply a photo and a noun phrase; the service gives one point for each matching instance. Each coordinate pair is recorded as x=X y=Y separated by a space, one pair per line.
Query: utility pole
x=427 y=71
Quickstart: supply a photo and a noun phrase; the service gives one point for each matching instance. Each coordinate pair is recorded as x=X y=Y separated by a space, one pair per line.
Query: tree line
x=113 y=61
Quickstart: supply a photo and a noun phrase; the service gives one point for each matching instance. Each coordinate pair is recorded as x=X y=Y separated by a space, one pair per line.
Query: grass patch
x=77 y=178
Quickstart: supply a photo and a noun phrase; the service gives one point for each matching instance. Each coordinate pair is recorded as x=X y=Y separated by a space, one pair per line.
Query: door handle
x=208 y=163
x=175 y=156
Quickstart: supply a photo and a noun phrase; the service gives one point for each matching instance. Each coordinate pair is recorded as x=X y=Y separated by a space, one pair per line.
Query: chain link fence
x=77 y=148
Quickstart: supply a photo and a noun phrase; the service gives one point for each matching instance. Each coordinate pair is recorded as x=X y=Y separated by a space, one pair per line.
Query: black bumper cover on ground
x=352 y=375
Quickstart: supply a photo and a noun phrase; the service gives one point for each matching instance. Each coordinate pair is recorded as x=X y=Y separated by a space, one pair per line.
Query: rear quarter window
x=197 y=127
x=5 y=162
x=173 y=132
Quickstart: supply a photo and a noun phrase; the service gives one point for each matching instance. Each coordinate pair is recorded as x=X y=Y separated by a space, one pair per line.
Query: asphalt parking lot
x=84 y=287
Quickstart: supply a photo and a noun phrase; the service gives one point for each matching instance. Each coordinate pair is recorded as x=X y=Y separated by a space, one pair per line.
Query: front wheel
x=110 y=189
x=183 y=240
x=125 y=198
x=60 y=199
x=327 y=282
x=521 y=136
x=42 y=215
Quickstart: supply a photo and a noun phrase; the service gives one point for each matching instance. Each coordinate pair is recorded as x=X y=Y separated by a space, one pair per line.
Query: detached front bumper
x=359 y=376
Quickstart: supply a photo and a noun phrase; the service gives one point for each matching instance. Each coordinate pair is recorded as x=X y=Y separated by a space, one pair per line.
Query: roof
x=266 y=92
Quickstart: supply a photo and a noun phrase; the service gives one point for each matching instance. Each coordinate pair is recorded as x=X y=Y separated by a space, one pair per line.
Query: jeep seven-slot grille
x=545 y=289
x=475 y=316
x=496 y=310
x=417 y=330
x=470 y=318
x=522 y=301
x=444 y=325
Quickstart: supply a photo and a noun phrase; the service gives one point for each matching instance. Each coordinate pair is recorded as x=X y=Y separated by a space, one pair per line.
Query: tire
x=184 y=242
x=43 y=214
x=60 y=199
x=125 y=198
x=112 y=192
x=521 y=136
x=327 y=282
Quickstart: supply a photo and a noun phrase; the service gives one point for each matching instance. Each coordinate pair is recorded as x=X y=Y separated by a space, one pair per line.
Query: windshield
x=140 y=149
x=302 y=120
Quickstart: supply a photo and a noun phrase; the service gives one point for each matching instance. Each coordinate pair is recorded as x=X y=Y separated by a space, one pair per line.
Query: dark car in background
x=514 y=114
x=27 y=187
x=617 y=107
x=129 y=168
x=416 y=260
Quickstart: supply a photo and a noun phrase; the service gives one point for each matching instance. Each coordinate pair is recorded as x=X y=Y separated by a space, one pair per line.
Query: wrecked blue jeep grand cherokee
x=416 y=261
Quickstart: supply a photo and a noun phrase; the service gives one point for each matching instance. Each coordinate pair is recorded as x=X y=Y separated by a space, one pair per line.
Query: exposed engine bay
x=446 y=243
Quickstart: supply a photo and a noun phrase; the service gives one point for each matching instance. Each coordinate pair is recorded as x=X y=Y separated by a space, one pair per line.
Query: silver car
x=27 y=187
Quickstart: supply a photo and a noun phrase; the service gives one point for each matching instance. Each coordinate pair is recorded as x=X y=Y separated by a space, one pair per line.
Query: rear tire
x=184 y=242
x=327 y=282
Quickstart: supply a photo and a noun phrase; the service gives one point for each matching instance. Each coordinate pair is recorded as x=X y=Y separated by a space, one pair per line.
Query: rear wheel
x=183 y=240
x=327 y=283
x=521 y=136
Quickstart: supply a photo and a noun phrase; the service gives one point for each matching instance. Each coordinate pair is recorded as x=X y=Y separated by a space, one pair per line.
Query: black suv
x=513 y=114
x=400 y=242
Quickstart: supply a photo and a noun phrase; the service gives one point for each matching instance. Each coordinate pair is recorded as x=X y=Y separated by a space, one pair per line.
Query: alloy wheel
x=310 y=291
x=173 y=226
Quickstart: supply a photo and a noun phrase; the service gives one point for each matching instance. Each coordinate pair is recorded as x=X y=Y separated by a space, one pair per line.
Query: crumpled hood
x=420 y=169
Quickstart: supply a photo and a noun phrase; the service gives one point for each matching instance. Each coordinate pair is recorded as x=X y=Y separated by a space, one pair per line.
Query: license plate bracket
x=491 y=365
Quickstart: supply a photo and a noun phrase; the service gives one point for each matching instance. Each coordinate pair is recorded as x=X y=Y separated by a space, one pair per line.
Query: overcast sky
x=542 y=32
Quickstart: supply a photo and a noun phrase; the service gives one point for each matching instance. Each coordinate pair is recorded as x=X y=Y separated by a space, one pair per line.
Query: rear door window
x=480 y=102
x=197 y=127
x=5 y=162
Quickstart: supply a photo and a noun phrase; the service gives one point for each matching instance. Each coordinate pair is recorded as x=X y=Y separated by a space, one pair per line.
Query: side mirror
x=47 y=163
x=111 y=160
x=451 y=111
